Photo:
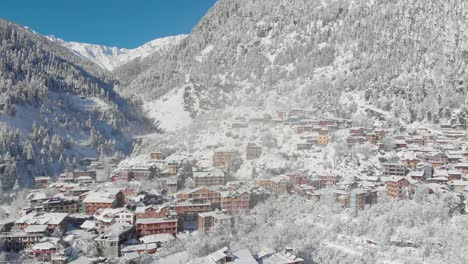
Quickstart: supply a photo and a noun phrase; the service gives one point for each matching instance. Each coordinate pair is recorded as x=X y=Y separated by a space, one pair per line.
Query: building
x=172 y=167
x=18 y=241
x=62 y=204
x=109 y=216
x=200 y=195
x=223 y=158
x=393 y=169
x=329 y=180
x=91 y=174
x=111 y=198
x=208 y=178
x=189 y=210
x=156 y=155
x=51 y=220
x=462 y=167
x=235 y=202
x=41 y=182
x=43 y=251
x=397 y=186
x=152 y=226
x=323 y=139
x=111 y=240
x=209 y=220
x=253 y=151
x=152 y=211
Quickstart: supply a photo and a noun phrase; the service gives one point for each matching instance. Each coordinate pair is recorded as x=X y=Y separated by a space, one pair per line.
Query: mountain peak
x=111 y=57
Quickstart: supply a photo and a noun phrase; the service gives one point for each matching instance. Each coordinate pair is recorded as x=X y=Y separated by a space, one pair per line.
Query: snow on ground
x=204 y=53
x=169 y=111
x=111 y=57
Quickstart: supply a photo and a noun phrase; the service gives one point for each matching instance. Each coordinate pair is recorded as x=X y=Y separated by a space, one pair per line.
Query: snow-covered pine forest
x=321 y=96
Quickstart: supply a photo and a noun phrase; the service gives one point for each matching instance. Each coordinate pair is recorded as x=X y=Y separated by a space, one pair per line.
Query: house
x=52 y=220
x=329 y=180
x=41 y=182
x=172 y=167
x=201 y=194
x=253 y=151
x=62 y=204
x=158 y=239
x=235 y=202
x=396 y=186
x=109 y=198
x=280 y=185
x=322 y=139
x=416 y=175
x=156 y=155
x=358 y=199
x=84 y=180
x=223 y=158
x=91 y=174
x=189 y=210
x=304 y=190
x=462 y=167
x=458 y=185
x=393 y=169
x=454 y=175
x=19 y=240
x=438 y=160
x=209 y=220
x=111 y=240
x=357 y=131
x=109 y=216
x=152 y=226
x=139 y=249
x=152 y=211
x=43 y=251
x=208 y=178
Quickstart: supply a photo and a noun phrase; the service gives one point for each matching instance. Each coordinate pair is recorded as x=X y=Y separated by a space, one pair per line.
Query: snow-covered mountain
x=55 y=108
x=406 y=57
x=111 y=57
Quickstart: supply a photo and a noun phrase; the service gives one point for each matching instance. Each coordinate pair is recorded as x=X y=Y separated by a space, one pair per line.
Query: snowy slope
x=111 y=57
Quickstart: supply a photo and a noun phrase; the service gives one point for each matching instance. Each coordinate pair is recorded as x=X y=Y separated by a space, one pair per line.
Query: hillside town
x=106 y=204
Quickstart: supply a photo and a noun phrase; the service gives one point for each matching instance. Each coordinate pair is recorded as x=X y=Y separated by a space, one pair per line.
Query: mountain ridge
x=110 y=58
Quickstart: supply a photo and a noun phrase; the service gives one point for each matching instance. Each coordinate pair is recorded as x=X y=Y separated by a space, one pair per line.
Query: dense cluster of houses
x=124 y=222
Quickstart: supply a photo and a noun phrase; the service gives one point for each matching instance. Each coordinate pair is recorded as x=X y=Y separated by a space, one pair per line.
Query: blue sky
x=121 y=23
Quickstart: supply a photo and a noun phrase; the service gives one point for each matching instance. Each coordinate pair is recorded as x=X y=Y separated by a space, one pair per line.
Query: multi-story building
x=329 y=180
x=152 y=211
x=393 y=169
x=152 y=226
x=112 y=198
x=200 y=195
x=109 y=216
x=208 y=178
x=397 y=186
x=91 y=174
x=235 y=202
x=41 y=182
x=17 y=241
x=253 y=151
x=223 y=158
x=209 y=220
x=172 y=167
x=62 y=204
x=111 y=240
x=52 y=220
x=156 y=155
x=188 y=209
